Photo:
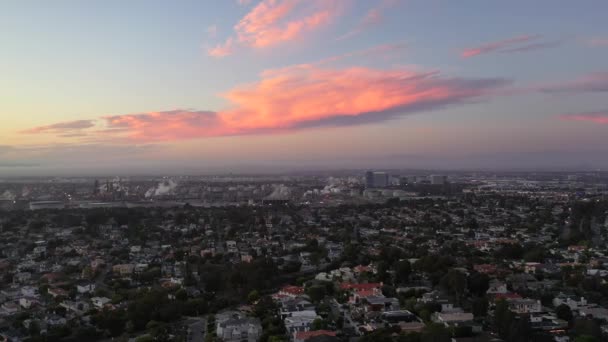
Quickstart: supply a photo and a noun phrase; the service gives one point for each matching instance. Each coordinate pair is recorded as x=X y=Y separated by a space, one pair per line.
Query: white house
x=239 y=329
x=100 y=302
x=497 y=287
x=85 y=288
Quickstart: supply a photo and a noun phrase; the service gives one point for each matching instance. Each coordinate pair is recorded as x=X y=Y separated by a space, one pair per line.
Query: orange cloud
x=307 y=95
x=222 y=50
x=595 y=117
x=515 y=44
x=164 y=126
x=275 y=21
x=302 y=97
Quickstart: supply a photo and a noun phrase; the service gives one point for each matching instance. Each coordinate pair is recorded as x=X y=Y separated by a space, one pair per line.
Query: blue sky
x=293 y=73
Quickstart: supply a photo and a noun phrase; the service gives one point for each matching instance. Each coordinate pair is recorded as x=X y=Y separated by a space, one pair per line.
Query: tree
x=253 y=296
x=112 y=321
x=563 y=312
x=379 y=335
x=402 y=269
x=585 y=338
x=536 y=254
x=316 y=292
x=181 y=295
x=503 y=318
x=436 y=333
x=34 y=328
x=319 y=324
x=587 y=327
x=520 y=330
x=478 y=283
x=454 y=283
x=480 y=307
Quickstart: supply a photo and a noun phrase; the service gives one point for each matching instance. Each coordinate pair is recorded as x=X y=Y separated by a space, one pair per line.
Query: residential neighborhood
x=494 y=261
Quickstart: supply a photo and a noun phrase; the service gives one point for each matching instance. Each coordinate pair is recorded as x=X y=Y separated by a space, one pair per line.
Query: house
x=55 y=320
x=83 y=288
x=295 y=324
x=305 y=259
x=407 y=321
x=100 y=302
x=547 y=322
x=485 y=268
x=123 y=269
x=56 y=292
x=380 y=303
x=532 y=267
x=571 y=302
x=291 y=291
x=30 y=291
x=497 y=287
x=9 y=309
x=360 y=291
x=241 y=329
x=77 y=307
x=291 y=307
x=433 y=297
x=22 y=277
x=28 y=302
x=524 y=305
x=453 y=319
x=595 y=312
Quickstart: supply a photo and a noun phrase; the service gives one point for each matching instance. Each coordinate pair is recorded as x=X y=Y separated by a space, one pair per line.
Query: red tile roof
x=304 y=335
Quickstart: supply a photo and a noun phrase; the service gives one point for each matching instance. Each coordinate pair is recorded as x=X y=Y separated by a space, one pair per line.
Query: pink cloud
x=594 y=117
x=595 y=82
x=515 y=44
x=222 y=50
x=272 y=22
x=165 y=126
x=597 y=42
x=303 y=97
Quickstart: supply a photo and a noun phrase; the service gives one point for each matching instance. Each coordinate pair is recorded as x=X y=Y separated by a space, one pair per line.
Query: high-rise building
x=376 y=179
x=438 y=179
x=380 y=179
x=369 y=179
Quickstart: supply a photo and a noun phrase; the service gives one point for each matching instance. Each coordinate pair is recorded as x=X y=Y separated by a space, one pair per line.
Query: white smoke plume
x=166 y=187
x=8 y=195
x=280 y=192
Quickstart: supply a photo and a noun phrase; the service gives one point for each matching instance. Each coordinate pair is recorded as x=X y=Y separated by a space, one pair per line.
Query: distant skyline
x=234 y=85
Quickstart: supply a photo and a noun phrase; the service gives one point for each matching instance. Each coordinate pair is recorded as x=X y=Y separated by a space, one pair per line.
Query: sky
x=145 y=86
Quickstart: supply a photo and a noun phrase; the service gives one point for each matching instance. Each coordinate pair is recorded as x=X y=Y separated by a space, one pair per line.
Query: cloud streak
x=373 y=17
x=593 y=117
x=516 y=44
x=272 y=22
x=63 y=128
x=302 y=97
x=593 y=83
x=597 y=42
